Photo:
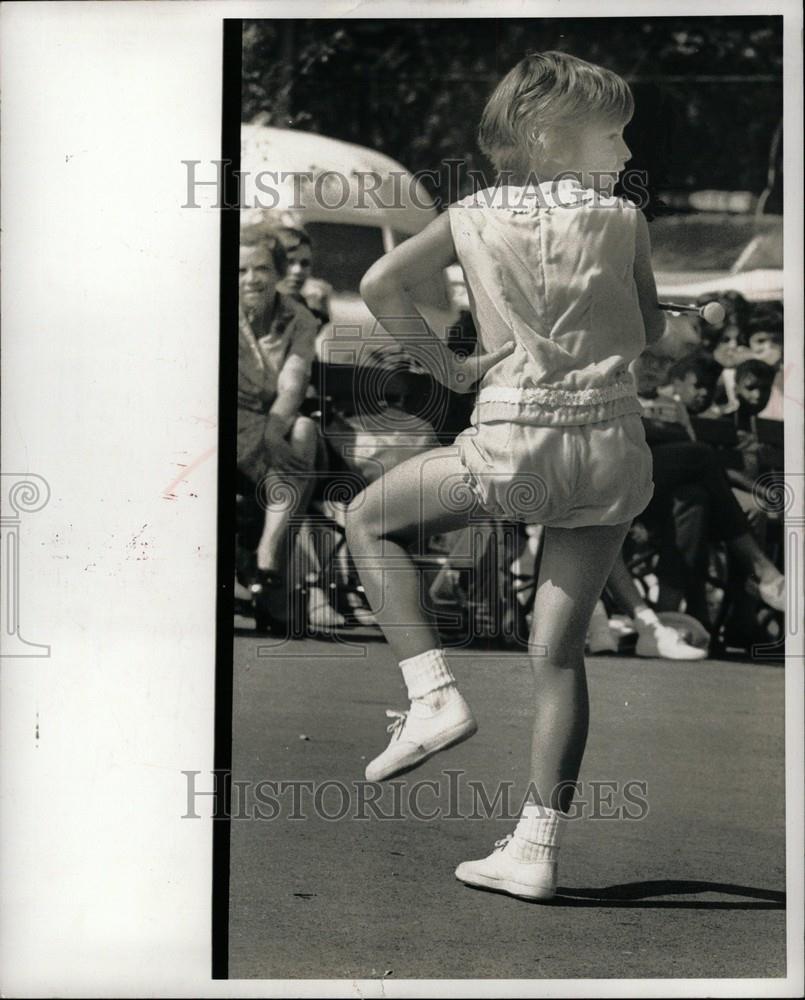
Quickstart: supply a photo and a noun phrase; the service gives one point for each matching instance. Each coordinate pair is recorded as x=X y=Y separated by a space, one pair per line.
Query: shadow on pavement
x=640 y=894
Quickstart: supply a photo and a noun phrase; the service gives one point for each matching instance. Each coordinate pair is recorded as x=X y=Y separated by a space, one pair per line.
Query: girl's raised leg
x=423 y=496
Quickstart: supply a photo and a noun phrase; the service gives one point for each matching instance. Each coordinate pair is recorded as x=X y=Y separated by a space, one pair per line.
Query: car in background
x=356 y=204
x=700 y=253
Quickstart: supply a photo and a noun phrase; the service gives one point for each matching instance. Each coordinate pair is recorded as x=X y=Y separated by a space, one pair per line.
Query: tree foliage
x=708 y=90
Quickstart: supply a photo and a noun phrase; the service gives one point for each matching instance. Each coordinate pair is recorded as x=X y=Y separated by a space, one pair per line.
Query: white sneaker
x=500 y=872
x=665 y=643
x=420 y=733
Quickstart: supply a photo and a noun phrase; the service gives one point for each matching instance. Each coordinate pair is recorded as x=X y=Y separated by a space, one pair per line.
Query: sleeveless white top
x=552 y=268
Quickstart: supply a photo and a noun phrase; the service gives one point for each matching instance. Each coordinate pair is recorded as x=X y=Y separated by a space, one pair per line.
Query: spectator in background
x=299 y=282
x=693 y=381
x=693 y=504
x=313 y=293
x=753 y=384
x=664 y=413
x=276 y=446
x=729 y=344
x=766 y=345
x=732 y=346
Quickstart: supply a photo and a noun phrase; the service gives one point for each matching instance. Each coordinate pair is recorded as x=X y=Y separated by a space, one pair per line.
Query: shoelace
x=397 y=721
x=501 y=844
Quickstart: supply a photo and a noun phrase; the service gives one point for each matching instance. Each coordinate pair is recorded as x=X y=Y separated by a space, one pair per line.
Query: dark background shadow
x=641 y=894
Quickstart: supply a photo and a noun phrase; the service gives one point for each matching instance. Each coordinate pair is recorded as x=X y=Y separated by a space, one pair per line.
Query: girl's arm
x=653 y=316
x=386 y=286
x=387 y=289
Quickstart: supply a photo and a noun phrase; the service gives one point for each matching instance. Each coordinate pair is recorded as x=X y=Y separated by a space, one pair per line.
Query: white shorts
x=567 y=476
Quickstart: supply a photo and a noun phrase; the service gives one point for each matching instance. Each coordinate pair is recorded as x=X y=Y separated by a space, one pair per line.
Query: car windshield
x=709 y=241
x=343 y=253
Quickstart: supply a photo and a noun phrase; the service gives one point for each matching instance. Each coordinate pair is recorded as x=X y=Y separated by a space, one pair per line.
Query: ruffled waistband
x=549 y=406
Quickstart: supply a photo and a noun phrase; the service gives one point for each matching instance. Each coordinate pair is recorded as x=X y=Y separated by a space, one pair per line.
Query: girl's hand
x=460 y=374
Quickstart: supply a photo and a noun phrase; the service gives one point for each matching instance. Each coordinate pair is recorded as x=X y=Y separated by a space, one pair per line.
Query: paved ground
x=694 y=889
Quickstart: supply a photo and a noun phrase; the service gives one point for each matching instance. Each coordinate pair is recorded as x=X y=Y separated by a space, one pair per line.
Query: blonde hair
x=544 y=95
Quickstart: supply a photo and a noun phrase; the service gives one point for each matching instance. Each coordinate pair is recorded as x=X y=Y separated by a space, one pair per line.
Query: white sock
x=646 y=619
x=429 y=679
x=538 y=834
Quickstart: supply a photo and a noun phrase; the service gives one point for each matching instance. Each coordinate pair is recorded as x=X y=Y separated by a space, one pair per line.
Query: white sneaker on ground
x=665 y=643
x=500 y=872
x=420 y=733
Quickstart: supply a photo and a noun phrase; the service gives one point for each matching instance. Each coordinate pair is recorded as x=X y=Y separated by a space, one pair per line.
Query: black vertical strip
x=227 y=418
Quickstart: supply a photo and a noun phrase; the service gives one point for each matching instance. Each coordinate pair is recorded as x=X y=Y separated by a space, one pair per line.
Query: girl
x=563 y=298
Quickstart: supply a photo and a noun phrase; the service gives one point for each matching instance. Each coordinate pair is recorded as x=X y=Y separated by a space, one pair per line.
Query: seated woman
x=276 y=447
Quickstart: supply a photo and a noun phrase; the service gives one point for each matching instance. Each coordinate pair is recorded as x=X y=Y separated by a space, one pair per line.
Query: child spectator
x=299 y=282
x=693 y=381
x=753 y=384
x=766 y=345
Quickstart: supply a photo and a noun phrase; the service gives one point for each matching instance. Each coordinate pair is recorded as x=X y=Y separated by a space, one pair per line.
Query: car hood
x=761 y=285
x=319 y=179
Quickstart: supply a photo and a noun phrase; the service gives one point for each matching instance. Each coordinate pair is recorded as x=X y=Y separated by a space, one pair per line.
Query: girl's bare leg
x=418 y=498
x=423 y=496
x=574 y=567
